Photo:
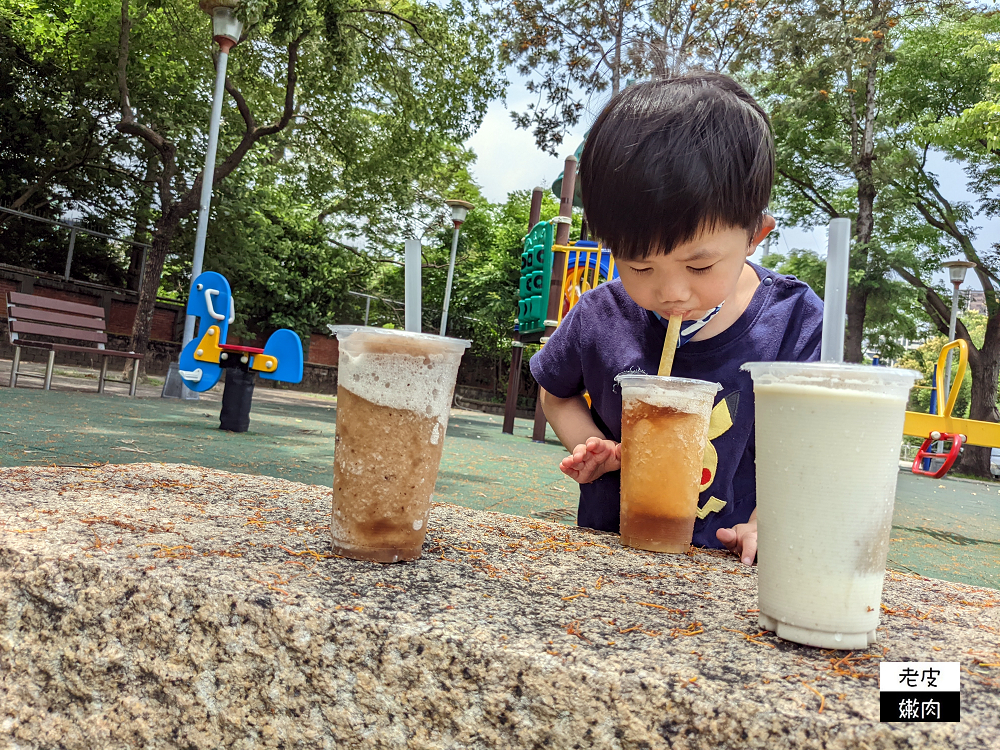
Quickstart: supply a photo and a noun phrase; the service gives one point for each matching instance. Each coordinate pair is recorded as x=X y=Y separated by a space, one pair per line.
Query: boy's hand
x=741 y=539
x=592 y=459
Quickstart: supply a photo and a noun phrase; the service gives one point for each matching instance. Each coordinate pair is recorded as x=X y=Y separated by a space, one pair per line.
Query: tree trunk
x=141 y=231
x=163 y=233
x=132 y=280
x=863 y=156
x=985 y=367
x=617 y=67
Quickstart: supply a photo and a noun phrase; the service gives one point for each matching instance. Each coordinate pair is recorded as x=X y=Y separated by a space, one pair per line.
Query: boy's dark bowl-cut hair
x=670 y=158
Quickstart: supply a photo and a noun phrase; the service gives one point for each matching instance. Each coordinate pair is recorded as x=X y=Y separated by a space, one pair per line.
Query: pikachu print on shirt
x=721 y=420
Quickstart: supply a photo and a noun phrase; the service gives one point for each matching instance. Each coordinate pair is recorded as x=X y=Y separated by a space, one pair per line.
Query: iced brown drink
x=664 y=431
x=394 y=395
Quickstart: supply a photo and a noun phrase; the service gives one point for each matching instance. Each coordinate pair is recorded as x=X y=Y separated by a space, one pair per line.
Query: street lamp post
x=226 y=30
x=459 y=210
x=956 y=273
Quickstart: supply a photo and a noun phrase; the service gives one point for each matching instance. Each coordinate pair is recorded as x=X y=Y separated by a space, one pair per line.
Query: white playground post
x=412 y=314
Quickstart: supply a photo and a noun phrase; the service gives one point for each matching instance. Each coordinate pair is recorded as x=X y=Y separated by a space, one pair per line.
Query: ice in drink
x=664 y=431
x=394 y=394
x=827 y=441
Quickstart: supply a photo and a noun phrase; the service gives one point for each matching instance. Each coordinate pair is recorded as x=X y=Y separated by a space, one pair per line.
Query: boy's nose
x=674 y=294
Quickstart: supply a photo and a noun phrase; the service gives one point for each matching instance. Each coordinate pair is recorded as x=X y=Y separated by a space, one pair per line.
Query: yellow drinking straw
x=670 y=345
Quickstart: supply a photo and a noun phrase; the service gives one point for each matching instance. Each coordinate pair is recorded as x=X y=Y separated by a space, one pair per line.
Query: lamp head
x=226 y=27
x=459 y=210
x=957 y=270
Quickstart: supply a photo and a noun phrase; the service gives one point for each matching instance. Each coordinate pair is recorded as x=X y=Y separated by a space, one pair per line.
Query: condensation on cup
x=664 y=432
x=827 y=442
x=394 y=394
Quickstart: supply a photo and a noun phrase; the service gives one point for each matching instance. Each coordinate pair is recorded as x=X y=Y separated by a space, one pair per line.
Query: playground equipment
x=536 y=279
x=585 y=265
x=950 y=432
x=203 y=358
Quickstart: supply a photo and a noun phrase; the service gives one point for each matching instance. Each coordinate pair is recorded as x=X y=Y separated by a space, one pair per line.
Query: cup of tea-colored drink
x=664 y=432
x=394 y=393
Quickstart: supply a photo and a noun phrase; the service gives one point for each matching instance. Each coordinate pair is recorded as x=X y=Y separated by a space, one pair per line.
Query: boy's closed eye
x=705 y=269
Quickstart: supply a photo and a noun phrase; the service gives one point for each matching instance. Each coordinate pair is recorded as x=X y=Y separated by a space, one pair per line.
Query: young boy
x=676 y=176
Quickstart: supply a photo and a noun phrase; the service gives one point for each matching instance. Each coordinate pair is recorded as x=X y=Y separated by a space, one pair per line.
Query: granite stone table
x=168 y=606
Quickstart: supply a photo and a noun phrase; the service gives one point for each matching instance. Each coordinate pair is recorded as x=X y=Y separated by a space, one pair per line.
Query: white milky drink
x=827 y=452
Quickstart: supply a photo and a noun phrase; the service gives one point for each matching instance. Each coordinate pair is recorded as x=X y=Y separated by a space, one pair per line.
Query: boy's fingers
x=569 y=471
x=597 y=449
x=727 y=537
x=749 y=548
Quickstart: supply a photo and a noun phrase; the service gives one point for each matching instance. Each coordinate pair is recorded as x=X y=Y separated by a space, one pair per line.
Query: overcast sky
x=507 y=159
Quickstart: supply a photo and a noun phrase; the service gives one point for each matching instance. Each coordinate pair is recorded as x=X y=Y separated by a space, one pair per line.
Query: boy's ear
x=766 y=227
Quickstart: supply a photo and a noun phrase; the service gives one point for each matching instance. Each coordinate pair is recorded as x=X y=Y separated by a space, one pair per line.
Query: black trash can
x=237 y=397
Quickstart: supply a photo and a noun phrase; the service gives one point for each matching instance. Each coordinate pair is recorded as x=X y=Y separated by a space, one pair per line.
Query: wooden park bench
x=36 y=322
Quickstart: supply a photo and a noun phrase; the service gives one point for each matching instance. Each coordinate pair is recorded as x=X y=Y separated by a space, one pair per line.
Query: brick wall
x=67 y=296
x=122 y=319
x=164 y=321
x=315 y=379
x=120 y=307
x=323 y=349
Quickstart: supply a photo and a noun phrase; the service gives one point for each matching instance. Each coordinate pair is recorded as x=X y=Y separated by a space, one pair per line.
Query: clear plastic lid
x=686 y=385
x=388 y=340
x=683 y=394
x=888 y=380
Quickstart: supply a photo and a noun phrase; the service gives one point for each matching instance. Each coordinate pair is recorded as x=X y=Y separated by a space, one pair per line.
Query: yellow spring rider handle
x=944 y=409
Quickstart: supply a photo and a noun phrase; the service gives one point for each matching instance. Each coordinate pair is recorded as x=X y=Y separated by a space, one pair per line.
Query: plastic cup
x=664 y=431
x=827 y=438
x=394 y=393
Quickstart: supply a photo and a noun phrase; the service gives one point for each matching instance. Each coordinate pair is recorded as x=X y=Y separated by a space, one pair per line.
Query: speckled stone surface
x=156 y=606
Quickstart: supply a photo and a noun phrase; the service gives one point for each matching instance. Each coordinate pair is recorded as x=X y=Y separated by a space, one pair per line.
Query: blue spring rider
x=203 y=358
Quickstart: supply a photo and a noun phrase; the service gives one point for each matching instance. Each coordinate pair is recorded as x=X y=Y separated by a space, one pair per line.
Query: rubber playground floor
x=942 y=528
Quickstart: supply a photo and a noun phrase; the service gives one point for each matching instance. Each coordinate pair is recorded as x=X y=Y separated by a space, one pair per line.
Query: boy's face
x=695 y=277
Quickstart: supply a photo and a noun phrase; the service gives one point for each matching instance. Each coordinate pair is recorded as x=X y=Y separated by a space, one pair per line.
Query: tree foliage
x=572 y=50
x=863 y=96
x=945 y=71
x=358 y=105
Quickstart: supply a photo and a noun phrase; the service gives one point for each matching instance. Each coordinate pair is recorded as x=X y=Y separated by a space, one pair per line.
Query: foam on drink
x=420 y=383
x=679 y=400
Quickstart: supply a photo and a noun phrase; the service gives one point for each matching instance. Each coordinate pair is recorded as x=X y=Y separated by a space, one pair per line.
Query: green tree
x=823 y=87
x=892 y=318
x=944 y=76
x=284 y=271
x=487 y=270
x=59 y=153
x=353 y=89
x=571 y=50
x=51 y=126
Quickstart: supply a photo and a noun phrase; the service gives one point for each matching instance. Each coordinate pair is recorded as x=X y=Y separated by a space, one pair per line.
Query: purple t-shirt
x=607 y=333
